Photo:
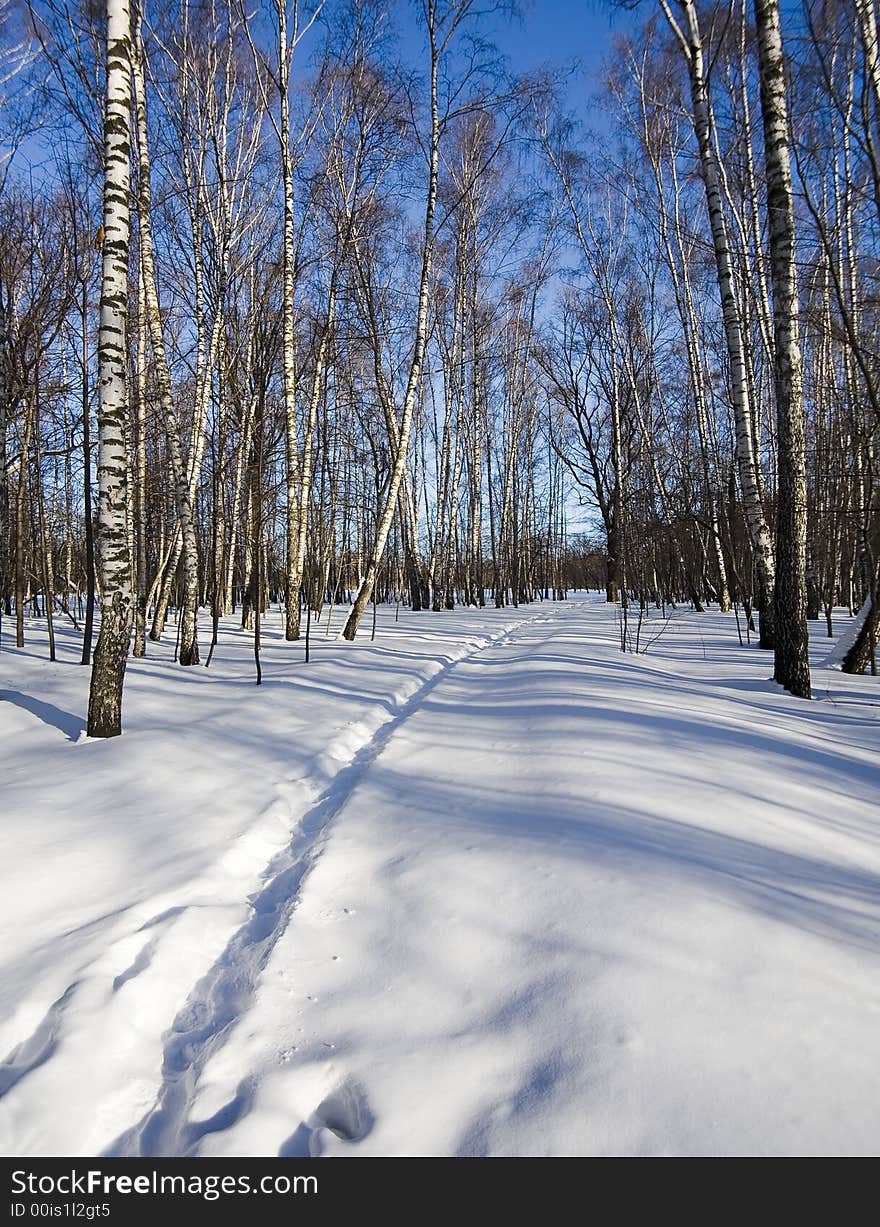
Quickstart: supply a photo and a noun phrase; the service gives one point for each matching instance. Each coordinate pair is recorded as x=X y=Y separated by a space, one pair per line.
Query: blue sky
x=547 y=33
x=562 y=30
x=563 y=33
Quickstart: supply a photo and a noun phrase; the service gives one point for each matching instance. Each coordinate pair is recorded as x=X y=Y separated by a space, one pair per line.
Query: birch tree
x=114 y=637
x=440 y=28
x=791 y=645
x=685 y=25
x=189 y=645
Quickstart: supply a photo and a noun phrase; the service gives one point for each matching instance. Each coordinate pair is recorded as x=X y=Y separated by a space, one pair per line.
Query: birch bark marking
x=367 y=583
x=111 y=652
x=288 y=354
x=308 y=458
x=189 y=646
x=140 y=460
x=791 y=652
x=691 y=43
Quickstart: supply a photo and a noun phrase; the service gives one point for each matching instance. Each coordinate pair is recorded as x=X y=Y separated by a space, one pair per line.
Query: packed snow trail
x=540 y=897
x=129 y=865
x=224 y=993
x=576 y=903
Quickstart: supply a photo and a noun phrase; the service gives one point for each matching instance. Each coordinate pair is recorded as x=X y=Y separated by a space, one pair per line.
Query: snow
x=483 y=886
x=838 y=654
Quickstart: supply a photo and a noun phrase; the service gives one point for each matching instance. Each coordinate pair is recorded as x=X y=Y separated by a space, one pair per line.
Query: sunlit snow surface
x=483 y=886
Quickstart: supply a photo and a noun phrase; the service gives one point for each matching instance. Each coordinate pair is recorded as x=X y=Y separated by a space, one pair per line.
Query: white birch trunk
x=140 y=517
x=189 y=647
x=288 y=355
x=746 y=453
x=791 y=641
x=367 y=583
x=111 y=652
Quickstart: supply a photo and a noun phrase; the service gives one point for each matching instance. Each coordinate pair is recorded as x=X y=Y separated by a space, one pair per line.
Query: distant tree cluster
x=295 y=310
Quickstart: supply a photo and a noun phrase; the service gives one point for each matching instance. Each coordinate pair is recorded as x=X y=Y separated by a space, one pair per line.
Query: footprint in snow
x=345 y=1113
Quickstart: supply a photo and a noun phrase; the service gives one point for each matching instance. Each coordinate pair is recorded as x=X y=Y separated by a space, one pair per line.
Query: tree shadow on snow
x=66 y=722
x=827 y=898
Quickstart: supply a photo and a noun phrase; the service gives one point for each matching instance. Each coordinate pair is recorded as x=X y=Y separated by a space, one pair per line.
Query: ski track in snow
x=223 y=994
x=31 y=1053
x=466 y=1023
x=613 y=912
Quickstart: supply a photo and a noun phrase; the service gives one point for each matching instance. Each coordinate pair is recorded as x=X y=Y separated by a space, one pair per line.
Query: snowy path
x=131 y=866
x=225 y=992
x=574 y=903
x=552 y=899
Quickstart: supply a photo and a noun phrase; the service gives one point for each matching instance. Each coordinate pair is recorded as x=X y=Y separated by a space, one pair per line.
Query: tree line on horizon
x=295 y=309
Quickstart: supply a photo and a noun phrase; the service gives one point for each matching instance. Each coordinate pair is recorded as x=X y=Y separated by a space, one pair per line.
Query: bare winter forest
x=292 y=311
x=325 y=319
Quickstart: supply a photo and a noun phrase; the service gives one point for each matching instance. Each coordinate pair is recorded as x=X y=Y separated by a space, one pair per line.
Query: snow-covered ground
x=484 y=886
